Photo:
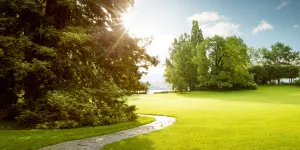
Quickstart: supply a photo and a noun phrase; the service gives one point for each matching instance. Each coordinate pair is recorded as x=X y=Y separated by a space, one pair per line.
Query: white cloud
x=212 y=23
x=264 y=25
x=206 y=17
x=221 y=28
x=282 y=4
x=295 y=26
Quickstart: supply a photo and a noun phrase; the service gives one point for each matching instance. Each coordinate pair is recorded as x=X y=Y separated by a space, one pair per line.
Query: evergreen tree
x=196 y=34
x=69 y=61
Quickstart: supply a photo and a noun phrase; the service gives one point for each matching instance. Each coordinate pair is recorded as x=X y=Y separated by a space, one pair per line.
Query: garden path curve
x=96 y=143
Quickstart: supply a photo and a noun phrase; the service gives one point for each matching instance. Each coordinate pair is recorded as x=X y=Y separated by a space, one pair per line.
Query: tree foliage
x=214 y=63
x=280 y=54
x=68 y=61
x=279 y=62
x=202 y=62
x=222 y=64
x=180 y=63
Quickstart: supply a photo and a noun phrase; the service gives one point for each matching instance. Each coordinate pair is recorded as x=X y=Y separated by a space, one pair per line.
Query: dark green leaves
x=59 y=57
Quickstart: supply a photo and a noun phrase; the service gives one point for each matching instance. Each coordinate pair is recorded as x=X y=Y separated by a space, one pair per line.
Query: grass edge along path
x=34 y=138
x=98 y=142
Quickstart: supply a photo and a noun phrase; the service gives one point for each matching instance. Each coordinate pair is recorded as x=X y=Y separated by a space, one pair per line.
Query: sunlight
x=128 y=19
x=131 y=21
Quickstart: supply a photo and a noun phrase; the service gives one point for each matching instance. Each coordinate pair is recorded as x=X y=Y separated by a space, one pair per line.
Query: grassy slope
x=268 y=118
x=33 y=139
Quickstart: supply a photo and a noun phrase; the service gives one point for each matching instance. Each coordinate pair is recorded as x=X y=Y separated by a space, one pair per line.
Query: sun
x=133 y=24
x=128 y=20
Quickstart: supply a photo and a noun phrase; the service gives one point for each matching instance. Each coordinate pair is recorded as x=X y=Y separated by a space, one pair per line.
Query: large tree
x=179 y=65
x=196 y=39
x=223 y=63
x=61 y=55
x=181 y=54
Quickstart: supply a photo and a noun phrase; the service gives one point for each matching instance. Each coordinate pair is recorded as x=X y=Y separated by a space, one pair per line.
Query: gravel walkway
x=96 y=143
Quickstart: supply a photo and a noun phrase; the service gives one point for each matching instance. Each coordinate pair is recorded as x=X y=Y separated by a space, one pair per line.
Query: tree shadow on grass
x=135 y=143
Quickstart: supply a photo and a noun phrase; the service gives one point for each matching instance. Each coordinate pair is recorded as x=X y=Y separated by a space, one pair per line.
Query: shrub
x=75 y=108
x=251 y=86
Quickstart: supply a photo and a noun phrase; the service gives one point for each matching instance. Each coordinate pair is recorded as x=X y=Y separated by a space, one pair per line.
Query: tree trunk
x=278 y=81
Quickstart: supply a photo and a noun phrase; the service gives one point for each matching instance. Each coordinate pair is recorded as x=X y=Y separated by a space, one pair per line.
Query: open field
x=267 y=118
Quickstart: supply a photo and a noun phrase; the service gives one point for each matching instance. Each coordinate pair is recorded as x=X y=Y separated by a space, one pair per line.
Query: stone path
x=96 y=143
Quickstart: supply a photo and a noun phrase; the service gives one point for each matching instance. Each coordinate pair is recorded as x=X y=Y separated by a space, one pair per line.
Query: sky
x=260 y=23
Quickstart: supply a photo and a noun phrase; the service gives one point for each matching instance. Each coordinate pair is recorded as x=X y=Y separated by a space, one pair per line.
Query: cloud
x=295 y=26
x=283 y=4
x=206 y=17
x=263 y=26
x=212 y=23
x=221 y=28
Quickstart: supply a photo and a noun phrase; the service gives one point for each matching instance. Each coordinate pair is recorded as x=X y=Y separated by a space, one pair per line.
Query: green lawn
x=264 y=119
x=34 y=139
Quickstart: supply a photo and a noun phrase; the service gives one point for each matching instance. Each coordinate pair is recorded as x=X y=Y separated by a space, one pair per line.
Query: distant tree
x=196 y=40
x=279 y=62
x=202 y=62
x=215 y=62
x=181 y=85
x=226 y=64
x=196 y=34
x=181 y=53
x=260 y=73
x=281 y=54
x=255 y=56
x=267 y=73
x=172 y=76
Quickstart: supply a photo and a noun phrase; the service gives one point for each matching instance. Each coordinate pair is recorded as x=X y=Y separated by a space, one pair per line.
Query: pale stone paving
x=96 y=143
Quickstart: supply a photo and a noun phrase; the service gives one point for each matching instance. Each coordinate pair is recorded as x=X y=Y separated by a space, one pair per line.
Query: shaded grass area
x=34 y=139
x=267 y=118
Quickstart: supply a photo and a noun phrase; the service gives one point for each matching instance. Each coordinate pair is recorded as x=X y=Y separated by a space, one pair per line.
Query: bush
x=75 y=108
x=251 y=86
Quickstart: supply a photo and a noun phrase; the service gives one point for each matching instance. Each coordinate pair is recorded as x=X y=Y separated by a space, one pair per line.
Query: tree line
x=216 y=63
x=274 y=64
x=68 y=63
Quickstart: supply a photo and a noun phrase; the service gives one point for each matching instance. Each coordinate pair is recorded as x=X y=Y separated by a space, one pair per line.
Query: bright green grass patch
x=267 y=118
x=34 y=139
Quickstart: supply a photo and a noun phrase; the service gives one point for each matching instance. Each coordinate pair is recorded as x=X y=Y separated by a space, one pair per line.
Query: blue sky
x=259 y=22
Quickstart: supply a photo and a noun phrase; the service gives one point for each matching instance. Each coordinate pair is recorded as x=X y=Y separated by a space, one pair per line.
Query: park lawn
x=267 y=118
x=34 y=139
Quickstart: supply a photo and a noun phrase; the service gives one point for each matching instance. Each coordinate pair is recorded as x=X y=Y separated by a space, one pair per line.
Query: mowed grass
x=34 y=139
x=264 y=119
